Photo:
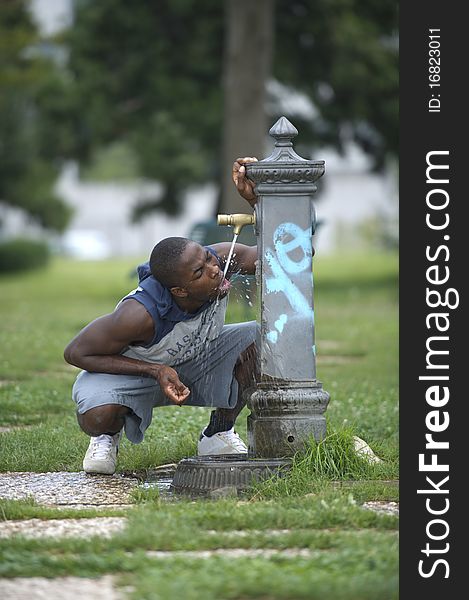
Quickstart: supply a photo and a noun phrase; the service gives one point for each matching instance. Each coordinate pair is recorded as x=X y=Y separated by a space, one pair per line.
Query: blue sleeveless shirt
x=177 y=333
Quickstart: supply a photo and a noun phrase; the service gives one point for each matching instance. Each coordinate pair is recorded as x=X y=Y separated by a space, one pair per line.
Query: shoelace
x=101 y=446
x=233 y=438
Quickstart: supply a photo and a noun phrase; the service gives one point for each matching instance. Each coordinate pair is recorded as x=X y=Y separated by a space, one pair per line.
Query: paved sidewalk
x=61 y=588
x=63 y=489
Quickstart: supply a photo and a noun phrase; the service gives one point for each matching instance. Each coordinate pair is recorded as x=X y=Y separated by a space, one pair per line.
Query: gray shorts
x=209 y=376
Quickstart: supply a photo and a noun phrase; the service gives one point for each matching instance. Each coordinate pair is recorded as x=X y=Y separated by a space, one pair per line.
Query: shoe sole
x=99 y=472
x=223 y=453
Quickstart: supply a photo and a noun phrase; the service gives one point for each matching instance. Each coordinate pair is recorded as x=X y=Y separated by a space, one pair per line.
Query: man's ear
x=179 y=292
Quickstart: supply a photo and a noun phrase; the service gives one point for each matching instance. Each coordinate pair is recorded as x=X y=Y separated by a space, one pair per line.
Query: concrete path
x=63 y=528
x=63 y=489
x=61 y=588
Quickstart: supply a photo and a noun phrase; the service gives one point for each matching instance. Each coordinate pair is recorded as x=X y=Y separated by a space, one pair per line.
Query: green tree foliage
x=150 y=74
x=343 y=54
x=29 y=142
x=23 y=254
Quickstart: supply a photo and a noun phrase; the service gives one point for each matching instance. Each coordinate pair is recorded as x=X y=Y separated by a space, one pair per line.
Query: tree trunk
x=247 y=67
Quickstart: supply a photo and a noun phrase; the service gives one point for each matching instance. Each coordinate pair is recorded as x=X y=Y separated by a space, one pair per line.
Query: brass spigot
x=237 y=221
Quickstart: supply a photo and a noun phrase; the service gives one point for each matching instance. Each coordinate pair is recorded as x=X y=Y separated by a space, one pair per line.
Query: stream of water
x=235 y=237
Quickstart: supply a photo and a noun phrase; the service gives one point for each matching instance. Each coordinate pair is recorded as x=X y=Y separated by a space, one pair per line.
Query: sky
x=51 y=15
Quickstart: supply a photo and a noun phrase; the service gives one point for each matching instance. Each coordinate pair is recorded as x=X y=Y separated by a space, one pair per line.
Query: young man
x=165 y=343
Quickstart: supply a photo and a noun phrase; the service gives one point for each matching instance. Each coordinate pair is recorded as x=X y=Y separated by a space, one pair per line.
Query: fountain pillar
x=288 y=404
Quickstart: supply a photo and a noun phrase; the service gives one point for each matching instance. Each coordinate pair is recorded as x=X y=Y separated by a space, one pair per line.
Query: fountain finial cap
x=283 y=132
x=284 y=170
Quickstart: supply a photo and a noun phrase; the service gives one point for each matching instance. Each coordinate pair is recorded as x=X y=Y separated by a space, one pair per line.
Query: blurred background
x=119 y=121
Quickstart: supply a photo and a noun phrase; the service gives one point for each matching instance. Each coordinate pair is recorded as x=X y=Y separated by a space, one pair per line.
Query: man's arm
x=98 y=346
x=243 y=259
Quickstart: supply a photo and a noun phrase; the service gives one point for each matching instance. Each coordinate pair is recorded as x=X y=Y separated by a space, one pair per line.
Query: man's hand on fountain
x=172 y=386
x=244 y=185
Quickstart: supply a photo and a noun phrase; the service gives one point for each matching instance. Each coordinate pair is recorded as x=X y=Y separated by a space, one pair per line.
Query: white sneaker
x=223 y=442
x=101 y=456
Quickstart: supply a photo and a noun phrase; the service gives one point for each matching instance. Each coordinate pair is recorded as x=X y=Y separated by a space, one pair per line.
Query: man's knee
x=108 y=418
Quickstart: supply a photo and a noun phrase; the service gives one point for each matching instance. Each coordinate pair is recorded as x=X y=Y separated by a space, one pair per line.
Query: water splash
x=163 y=484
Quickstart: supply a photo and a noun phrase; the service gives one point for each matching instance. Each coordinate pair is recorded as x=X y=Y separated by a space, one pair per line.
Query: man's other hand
x=171 y=385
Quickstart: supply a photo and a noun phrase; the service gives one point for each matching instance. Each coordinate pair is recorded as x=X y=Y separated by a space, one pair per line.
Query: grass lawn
x=352 y=552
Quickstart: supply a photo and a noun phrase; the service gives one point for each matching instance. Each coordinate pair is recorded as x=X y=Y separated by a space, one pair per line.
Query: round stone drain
x=205 y=475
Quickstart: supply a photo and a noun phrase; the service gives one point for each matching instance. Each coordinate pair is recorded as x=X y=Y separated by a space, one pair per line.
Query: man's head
x=187 y=269
x=165 y=259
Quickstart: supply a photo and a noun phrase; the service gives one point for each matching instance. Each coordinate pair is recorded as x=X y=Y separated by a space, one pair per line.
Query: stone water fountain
x=287 y=403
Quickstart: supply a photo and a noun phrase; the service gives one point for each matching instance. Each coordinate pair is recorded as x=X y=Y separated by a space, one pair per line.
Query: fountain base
x=225 y=475
x=284 y=416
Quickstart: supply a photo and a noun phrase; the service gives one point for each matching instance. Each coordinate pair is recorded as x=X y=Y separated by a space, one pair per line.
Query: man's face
x=200 y=275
